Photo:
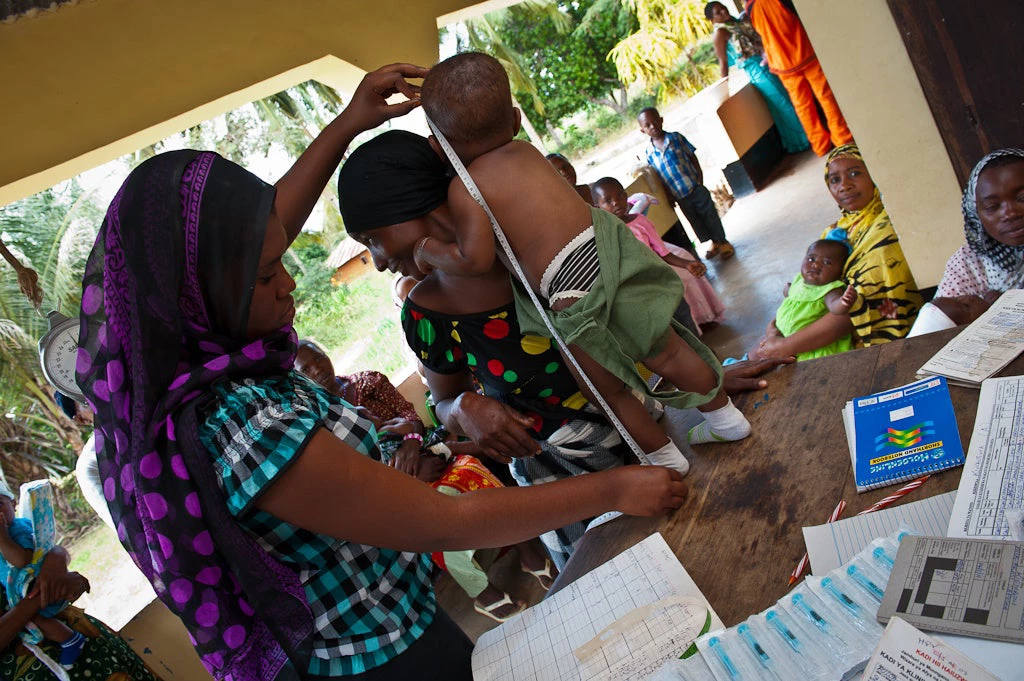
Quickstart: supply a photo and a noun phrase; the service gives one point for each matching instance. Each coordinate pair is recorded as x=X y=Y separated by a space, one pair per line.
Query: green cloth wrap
x=627 y=315
x=804 y=304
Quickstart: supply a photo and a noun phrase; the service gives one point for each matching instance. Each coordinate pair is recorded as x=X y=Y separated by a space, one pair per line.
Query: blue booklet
x=903 y=433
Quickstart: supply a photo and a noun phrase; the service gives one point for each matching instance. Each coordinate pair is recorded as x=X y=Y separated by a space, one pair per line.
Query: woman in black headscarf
x=393 y=191
x=249 y=496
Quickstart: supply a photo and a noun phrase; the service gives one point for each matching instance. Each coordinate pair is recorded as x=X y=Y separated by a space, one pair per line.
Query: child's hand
x=407 y=457
x=847 y=300
x=369 y=107
x=744 y=376
x=6 y=515
x=430 y=468
x=401 y=426
x=649 y=490
x=772 y=331
x=785 y=289
x=697 y=269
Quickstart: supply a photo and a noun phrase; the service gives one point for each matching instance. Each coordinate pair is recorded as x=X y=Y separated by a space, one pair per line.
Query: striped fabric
x=574 y=270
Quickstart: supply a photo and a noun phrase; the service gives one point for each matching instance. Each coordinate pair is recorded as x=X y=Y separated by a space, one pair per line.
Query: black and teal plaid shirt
x=368 y=604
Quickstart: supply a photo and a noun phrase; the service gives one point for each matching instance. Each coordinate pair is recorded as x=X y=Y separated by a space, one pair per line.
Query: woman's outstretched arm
x=330 y=486
x=299 y=188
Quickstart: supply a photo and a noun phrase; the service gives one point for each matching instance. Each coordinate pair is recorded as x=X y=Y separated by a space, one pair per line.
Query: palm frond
x=483 y=37
x=667 y=31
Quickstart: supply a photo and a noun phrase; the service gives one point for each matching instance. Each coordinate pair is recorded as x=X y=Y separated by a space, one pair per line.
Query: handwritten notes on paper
x=992 y=483
x=906 y=654
x=983 y=348
x=622 y=620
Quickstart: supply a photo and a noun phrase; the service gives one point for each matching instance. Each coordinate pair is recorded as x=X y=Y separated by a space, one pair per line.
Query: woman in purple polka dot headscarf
x=154 y=334
x=248 y=496
x=165 y=309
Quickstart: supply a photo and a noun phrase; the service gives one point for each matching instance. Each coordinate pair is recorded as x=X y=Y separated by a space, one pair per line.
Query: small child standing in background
x=17 y=546
x=705 y=305
x=815 y=293
x=610 y=298
x=672 y=156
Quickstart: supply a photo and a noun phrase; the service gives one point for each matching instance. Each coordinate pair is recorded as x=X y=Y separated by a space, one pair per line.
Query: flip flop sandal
x=488 y=610
x=541 y=574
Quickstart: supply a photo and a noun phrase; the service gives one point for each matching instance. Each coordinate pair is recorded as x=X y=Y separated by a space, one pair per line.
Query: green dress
x=803 y=305
x=627 y=315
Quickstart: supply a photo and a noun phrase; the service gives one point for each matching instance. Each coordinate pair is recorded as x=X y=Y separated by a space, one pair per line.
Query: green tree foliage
x=569 y=69
x=659 y=54
x=312 y=276
x=52 y=232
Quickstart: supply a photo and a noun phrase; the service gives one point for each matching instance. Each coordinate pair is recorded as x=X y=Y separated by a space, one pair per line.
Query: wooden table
x=739 y=532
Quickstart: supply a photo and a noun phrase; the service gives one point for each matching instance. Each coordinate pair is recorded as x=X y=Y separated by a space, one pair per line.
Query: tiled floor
x=771 y=230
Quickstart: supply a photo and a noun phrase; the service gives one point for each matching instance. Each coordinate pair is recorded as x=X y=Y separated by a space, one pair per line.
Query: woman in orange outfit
x=791 y=56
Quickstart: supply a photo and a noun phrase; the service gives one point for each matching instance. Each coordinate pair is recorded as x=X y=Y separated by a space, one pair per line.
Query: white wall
x=860 y=49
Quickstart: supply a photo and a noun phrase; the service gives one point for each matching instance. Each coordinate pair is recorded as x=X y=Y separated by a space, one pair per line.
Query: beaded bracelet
x=413 y=436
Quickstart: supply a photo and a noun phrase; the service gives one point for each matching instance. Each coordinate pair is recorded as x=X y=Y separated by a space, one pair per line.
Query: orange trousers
x=804 y=86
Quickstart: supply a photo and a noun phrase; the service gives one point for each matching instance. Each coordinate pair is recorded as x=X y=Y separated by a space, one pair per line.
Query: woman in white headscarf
x=992 y=260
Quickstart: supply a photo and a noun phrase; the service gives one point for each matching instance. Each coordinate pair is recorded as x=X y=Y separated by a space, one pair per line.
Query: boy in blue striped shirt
x=671 y=154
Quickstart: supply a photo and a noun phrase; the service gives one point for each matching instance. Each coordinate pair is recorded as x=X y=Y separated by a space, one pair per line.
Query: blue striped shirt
x=673 y=164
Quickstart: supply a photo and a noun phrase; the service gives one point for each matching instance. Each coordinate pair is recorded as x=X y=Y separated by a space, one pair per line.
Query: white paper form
x=986 y=346
x=968 y=587
x=906 y=654
x=831 y=545
x=544 y=642
x=993 y=478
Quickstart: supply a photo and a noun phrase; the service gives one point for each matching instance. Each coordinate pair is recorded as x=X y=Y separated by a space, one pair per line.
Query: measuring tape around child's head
x=474 y=191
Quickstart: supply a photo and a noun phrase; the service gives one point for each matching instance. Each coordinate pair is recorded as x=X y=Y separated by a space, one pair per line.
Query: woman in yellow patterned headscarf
x=889 y=299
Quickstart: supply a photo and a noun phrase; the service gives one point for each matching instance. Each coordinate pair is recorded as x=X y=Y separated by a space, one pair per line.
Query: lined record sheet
x=993 y=477
x=832 y=545
x=622 y=620
x=986 y=346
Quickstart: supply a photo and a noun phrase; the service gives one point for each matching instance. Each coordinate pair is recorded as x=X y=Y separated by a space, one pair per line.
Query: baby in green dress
x=818 y=290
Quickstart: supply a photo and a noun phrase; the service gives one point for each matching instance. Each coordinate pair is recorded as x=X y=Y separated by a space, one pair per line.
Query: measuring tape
x=474 y=191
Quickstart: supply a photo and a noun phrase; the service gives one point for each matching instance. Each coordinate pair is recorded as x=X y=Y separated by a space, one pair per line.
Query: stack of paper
x=969 y=587
x=985 y=347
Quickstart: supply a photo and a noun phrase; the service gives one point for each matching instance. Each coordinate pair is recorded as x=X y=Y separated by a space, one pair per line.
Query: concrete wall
x=90 y=81
x=861 y=51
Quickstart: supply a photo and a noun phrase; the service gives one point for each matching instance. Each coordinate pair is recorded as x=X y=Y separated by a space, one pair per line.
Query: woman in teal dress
x=736 y=42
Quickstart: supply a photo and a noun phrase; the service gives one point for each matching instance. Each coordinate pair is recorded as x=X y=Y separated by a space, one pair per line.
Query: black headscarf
x=393 y=178
x=165 y=303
